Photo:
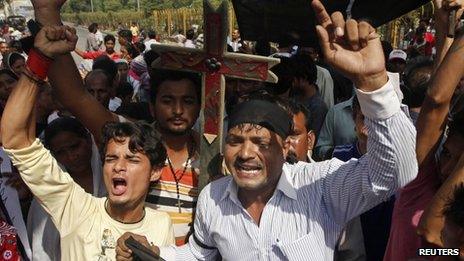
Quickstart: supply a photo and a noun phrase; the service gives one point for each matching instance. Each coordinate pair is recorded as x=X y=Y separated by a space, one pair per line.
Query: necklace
x=179 y=204
x=127 y=223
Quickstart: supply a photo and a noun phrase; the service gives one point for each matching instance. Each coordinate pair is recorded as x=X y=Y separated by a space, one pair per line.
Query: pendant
x=179 y=204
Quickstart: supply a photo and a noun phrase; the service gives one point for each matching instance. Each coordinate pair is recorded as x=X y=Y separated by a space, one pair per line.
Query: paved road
x=82 y=34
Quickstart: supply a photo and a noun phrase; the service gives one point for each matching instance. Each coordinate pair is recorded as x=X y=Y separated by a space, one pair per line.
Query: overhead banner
x=281 y=21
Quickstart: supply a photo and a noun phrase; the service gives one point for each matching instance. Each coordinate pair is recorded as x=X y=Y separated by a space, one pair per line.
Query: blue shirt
x=338 y=129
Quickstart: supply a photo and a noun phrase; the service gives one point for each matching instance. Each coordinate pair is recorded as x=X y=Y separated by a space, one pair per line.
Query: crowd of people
x=356 y=153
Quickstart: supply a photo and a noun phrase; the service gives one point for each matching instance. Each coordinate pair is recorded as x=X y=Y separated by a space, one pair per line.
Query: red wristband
x=39 y=63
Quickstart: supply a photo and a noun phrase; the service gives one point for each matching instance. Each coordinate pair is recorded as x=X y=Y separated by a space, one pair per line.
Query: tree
x=112 y=5
x=79 y=5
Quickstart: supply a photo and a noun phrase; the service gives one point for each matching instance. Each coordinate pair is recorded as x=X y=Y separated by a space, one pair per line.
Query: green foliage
x=112 y=5
x=79 y=5
x=108 y=19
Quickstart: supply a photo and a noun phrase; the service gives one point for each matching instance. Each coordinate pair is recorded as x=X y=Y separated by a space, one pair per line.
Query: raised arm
x=432 y=118
x=442 y=12
x=54 y=188
x=65 y=78
x=18 y=120
x=349 y=189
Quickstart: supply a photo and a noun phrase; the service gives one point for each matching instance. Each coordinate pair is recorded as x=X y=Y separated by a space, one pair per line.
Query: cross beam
x=214 y=63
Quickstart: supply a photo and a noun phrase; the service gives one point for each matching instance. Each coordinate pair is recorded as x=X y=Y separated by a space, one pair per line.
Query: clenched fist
x=56 y=40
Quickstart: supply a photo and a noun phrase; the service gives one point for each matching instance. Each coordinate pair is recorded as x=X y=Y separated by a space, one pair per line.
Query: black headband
x=263 y=113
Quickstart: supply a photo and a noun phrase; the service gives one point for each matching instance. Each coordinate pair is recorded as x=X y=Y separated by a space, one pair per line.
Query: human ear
x=155 y=174
x=311 y=136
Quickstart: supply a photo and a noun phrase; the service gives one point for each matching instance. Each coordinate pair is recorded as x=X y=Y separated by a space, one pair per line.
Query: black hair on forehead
x=142 y=136
x=158 y=76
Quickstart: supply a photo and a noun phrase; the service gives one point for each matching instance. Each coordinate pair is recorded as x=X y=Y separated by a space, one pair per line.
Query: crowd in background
x=328 y=124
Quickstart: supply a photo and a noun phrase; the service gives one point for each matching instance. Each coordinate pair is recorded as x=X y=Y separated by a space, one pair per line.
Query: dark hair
x=126 y=34
x=158 y=76
x=283 y=71
x=93 y=27
x=190 y=34
x=136 y=111
x=425 y=20
x=107 y=65
x=140 y=47
x=263 y=48
x=92 y=73
x=64 y=124
x=9 y=73
x=415 y=87
x=421 y=30
x=151 y=34
x=17 y=45
x=11 y=58
x=297 y=107
x=109 y=37
x=124 y=89
x=132 y=50
x=150 y=56
x=142 y=136
x=304 y=67
x=454 y=209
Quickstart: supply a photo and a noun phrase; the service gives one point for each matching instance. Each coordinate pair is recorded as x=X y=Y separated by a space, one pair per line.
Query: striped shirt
x=312 y=202
x=163 y=196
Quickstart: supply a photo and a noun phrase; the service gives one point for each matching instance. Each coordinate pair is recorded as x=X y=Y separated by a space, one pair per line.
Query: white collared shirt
x=313 y=201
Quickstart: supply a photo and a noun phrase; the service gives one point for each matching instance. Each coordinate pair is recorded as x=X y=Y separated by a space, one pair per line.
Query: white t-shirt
x=149 y=43
x=84 y=225
x=189 y=44
x=115 y=103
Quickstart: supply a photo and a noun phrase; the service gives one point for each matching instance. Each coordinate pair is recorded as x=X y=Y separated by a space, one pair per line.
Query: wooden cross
x=214 y=62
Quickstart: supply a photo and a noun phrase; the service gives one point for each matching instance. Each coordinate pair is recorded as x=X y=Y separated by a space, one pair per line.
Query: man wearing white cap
x=397 y=61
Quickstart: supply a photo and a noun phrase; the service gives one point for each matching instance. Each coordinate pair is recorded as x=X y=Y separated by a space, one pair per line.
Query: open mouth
x=119 y=186
x=247 y=169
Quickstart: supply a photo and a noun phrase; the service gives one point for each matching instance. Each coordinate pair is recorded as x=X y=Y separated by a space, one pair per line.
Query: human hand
x=443 y=8
x=123 y=253
x=56 y=40
x=352 y=48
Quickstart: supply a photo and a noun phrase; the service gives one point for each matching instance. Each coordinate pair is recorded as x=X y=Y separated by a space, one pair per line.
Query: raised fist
x=56 y=40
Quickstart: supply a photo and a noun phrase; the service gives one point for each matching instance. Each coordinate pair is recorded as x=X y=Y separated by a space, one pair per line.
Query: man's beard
x=291 y=158
x=177 y=133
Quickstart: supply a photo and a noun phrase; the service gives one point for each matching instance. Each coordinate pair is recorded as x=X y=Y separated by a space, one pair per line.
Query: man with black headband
x=271 y=210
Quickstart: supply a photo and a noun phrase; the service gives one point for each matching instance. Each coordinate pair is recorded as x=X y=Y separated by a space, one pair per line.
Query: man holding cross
x=272 y=210
x=175 y=105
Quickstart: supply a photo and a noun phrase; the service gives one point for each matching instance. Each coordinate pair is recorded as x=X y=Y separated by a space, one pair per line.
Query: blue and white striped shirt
x=312 y=202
